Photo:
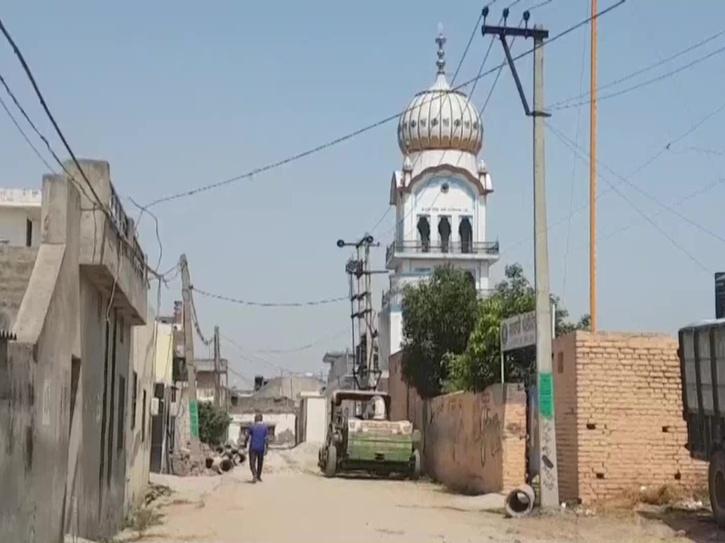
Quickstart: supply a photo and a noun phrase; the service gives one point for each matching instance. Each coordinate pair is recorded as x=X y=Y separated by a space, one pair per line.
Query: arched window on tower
x=444 y=231
x=465 y=231
x=424 y=233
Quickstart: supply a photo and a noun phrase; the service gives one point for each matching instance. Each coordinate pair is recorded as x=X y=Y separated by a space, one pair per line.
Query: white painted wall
x=13 y=222
x=282 y=422
x=315 y=419
x=163 y=364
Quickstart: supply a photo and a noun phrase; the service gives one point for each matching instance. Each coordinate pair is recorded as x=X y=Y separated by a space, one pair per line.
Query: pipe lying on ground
x=520 y=501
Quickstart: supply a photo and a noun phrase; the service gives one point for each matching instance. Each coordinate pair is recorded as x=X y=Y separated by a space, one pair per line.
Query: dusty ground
x=296 y=504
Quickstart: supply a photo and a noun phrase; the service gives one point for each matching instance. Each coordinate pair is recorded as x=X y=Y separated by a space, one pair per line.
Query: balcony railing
x=123 y=228
x=452 y=247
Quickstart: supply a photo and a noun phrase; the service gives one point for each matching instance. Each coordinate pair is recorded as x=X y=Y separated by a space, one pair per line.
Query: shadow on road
x=697 y=526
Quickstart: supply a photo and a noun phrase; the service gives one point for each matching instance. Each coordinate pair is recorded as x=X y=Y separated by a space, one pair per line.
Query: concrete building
x=280 y=415
x=440 y=197
x=20 y=217
x=163 y=402
x=339 y=375
x=207 y=378
x=289 y=386
x=71 y=303
x=140 y=390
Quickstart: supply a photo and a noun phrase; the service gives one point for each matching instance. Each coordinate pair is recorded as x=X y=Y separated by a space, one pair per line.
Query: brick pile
x=619 y=416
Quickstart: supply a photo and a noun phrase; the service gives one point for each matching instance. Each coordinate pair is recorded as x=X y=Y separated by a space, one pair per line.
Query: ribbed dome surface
x=440 y=118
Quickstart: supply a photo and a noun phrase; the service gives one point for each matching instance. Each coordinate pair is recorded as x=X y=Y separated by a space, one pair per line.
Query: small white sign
x=518 y=331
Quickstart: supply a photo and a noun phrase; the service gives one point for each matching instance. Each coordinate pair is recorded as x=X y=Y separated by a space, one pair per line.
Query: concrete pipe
x=520 y=501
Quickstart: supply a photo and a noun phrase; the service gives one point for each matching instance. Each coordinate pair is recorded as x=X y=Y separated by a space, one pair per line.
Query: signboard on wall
x=720 y=295
x=518 y=331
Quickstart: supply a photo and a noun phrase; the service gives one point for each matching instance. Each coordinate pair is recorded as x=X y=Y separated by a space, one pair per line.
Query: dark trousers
x=256 y=460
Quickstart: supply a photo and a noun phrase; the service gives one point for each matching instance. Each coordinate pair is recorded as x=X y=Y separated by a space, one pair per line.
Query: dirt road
x=296 y=504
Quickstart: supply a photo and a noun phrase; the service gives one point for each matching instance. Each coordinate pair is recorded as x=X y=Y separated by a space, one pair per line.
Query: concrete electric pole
x=217 y=369
x=546 y=423
x=193 y=405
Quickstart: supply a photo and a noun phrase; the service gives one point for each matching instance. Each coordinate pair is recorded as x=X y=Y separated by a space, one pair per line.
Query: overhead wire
x=45 y=107
x=255 y=358
x=687 y=197
x=345 y=137
x=42 y=137
x=640 y=190
x=661 y=150
x=634 y=206
x=25 y=136
x=156 y=229
x=306 y=346
x=105 y=208
x=639 y=71
x=645 y=83
x=307 y=303
x=573 y=173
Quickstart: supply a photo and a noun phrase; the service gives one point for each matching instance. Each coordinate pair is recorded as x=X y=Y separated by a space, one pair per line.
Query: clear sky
x=180 y=94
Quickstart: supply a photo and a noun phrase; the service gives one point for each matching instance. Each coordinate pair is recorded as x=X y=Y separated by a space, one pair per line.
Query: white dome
x=440 y=118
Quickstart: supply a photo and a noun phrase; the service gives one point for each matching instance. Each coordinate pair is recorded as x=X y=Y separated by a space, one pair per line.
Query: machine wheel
x=716 y=486
x=331 y=462
x=415 y=466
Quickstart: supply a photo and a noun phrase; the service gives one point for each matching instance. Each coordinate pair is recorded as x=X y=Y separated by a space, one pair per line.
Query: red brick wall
x=619 y=415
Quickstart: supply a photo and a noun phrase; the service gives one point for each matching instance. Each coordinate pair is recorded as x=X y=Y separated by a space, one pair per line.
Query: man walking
x=258 y=438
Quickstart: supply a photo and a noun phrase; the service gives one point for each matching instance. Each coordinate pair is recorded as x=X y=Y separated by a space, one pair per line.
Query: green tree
x=213 y=424
x=480 y=364
x=438 y=318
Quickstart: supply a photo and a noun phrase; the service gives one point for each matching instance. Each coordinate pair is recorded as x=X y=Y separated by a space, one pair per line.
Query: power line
x=42 y=137
x=253 y=358
x=616 y=189
x=468 y=46
x=573 y=175
x=647 y=82
x=306 y=346
x=25 y=136
x=640 y=190
x=156 y=229
x=57 y=159
x=345 y=137
x=640 y=71
x=685 y=198
x=539 y=5
x=661 y=150
x=43 y=103
x=322 y=301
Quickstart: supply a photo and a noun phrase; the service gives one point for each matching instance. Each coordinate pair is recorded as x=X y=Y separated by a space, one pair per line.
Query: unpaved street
x=296 y=504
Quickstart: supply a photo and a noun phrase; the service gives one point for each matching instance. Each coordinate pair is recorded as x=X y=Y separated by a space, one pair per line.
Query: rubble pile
x=215 y=460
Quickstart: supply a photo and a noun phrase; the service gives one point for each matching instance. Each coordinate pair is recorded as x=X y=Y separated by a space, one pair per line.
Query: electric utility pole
x=548 y=476
x=366 y=369
x=217 y=369
x=593 y=174
x=193 y=406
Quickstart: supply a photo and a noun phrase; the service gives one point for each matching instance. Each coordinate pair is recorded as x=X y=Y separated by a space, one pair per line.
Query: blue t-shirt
x=258 y=437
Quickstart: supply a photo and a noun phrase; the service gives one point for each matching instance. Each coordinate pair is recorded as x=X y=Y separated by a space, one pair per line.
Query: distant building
x=340 y=374
x=207 y=377
x=289 y=386
x=279 y=401
x=20 y=217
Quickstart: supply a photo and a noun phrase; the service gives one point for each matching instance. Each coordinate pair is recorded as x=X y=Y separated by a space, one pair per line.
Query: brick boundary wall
x=472 y=442
x=619 y=416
